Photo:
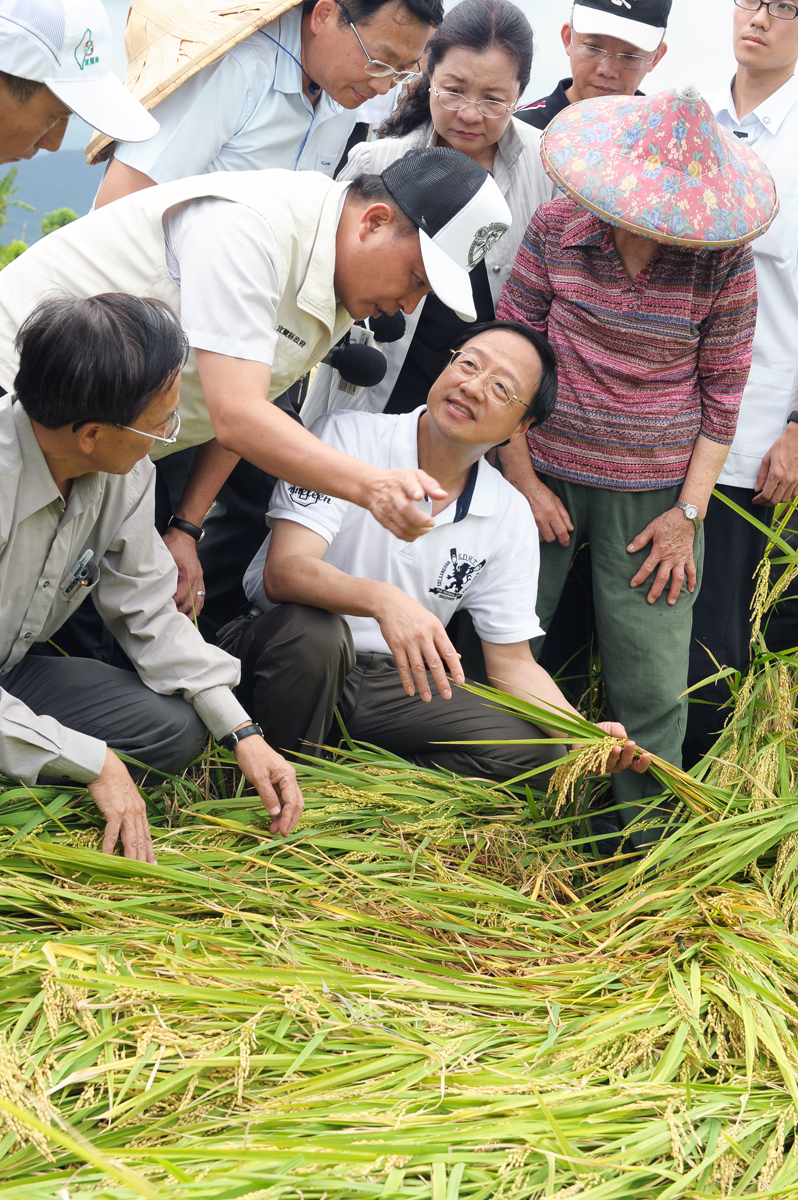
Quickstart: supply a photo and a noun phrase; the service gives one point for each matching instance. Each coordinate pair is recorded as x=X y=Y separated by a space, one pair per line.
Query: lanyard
x=313 y=88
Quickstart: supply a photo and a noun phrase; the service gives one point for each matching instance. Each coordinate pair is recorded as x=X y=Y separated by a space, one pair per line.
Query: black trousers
x=112 y=705
x=298 y=664
x=733 y=550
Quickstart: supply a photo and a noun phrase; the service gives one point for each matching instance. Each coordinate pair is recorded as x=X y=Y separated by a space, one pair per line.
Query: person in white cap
x=268 y=269
x=612 y=47
x=55 y=58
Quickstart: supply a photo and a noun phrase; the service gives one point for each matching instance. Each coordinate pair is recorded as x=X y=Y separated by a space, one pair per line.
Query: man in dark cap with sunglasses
x=612 y=45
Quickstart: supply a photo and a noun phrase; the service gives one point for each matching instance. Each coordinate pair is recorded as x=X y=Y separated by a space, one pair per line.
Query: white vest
x=122 y=248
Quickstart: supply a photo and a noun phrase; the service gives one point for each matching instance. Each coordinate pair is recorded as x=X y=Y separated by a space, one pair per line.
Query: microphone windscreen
x=388 y=328
x=360 y=365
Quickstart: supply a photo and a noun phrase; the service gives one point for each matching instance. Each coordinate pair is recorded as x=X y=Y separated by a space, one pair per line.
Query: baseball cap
x=66 y=45
x=641 y=22
x=460 y=214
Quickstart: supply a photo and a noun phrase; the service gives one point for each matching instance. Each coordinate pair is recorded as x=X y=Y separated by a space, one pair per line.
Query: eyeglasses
x=171 y=428
x=496 y=388
x=782 y=12
x=456 y=102
x=375 y=68
x=627 y=62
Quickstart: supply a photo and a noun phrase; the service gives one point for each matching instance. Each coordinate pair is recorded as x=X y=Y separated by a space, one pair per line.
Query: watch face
x=691 y=511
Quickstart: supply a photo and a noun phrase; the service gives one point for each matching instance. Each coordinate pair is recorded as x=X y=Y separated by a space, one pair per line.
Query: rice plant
x=432 y=990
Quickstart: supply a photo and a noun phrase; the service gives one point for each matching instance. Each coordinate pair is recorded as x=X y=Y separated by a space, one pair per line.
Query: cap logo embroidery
x=84 y=53
x=485 y=239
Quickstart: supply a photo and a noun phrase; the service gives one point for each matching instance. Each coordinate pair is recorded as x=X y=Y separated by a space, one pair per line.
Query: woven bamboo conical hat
x=168 y=41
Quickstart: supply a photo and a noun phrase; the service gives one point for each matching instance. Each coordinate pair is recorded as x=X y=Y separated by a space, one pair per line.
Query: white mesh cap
x=66 y=45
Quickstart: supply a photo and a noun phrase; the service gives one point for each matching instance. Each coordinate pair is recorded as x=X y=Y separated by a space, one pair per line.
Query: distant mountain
x=49 y=181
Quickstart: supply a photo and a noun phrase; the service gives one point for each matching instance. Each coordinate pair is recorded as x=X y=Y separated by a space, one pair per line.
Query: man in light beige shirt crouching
x=96 y=389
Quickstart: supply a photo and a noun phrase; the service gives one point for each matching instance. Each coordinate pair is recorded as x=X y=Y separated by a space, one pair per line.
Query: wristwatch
x=691 y=512
x=231 y=741
x=193 y=531
x=793 y=416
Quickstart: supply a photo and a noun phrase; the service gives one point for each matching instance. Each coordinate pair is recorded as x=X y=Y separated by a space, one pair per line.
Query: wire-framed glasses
x=375 y=68
x=627 y=62
x=782 y=12
x=171 y=428
x=496 y=388
x=456 y=102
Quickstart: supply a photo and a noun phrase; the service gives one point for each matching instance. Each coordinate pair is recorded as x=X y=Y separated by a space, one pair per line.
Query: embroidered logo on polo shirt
x=292 y=337
x=486 y=238
x=84 y=53
x=305 y=498
x=457 y=575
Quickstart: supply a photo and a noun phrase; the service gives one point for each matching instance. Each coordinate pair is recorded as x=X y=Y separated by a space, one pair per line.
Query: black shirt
x=542 y=111
x=428 y=353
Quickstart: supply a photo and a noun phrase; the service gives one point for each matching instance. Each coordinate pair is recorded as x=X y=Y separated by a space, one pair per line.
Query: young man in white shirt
x=761 y=108
x=54 y=60
x=284 y=97
x=323 y=558
x=95 y=390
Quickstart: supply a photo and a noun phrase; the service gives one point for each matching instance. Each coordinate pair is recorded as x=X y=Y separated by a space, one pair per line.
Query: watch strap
x=793 y=416
x=193 y=531
x=683 y=505
x=231 y=741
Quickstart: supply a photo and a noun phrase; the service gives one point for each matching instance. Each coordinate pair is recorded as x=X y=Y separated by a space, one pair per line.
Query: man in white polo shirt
x=761 y=108
x=283 y=97
x=324 y=557
x=54 y=60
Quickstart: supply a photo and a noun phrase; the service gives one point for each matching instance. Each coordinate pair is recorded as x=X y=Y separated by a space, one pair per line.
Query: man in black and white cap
x=268 y=270
x=612 y=45
x=55 y=58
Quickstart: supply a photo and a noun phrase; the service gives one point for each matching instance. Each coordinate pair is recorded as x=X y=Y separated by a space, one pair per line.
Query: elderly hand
x=417 y=640
x=671 y=555
x=391 y=499
x=623 y=758
x=118 y=799
x=275 y=781
x=190 y=594
x=777 y=481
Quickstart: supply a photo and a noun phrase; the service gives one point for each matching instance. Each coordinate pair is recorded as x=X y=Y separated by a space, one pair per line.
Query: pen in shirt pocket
x=82 y=574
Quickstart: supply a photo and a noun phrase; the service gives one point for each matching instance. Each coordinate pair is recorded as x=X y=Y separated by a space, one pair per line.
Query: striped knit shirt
x=645 y=365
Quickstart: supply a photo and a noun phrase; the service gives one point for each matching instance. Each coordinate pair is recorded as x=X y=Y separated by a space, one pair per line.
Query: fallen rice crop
x=431 y=991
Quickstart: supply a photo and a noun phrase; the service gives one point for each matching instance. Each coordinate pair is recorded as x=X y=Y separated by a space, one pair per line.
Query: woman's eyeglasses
x=456 y=102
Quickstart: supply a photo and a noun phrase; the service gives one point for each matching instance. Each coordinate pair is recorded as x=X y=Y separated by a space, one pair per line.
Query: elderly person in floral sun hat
x=643 y=283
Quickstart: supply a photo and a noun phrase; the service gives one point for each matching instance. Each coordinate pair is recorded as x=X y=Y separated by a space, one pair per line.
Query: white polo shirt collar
x=480 y=497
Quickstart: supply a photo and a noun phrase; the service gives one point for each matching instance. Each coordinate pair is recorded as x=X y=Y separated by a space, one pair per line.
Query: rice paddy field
x=433 y=990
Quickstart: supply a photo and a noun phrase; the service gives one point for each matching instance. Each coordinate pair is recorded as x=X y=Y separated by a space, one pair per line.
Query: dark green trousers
x=645 y=648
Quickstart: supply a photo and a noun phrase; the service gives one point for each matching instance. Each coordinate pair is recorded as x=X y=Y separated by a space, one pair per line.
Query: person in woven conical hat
x=54 y=60
x=643 y=280
x=268 y=270
x=283 y=97
x=760 y=108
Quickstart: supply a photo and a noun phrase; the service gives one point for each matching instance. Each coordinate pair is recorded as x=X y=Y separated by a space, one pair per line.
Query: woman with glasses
x=478 y=64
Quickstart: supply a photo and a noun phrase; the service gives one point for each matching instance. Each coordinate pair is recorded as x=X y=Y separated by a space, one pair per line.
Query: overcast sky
x=699 y=48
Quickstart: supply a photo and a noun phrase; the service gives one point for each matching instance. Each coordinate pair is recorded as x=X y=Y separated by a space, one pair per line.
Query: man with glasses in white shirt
x=96 y=389
x=283 y=97
x=611 y=48
x=760 y=107
x=344 y=615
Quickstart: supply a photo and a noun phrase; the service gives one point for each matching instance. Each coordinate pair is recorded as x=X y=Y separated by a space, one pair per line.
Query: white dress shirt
x=42 y=536
x=771 y=393
x=245 y=112
x=482 y=556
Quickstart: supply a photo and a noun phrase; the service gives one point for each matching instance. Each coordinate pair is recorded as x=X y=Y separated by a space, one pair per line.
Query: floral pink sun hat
x=663 y=167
